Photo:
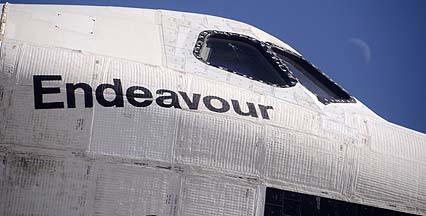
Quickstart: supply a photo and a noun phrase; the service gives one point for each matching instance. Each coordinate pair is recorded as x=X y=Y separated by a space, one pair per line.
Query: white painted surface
x=123 y=33
x=166 y=161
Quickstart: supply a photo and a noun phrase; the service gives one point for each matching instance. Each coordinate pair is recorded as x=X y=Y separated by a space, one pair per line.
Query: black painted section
x=208 y=103
x=250 y=107
x=192 y=104
x=286 y=203
x=168 y=99
x=88 y=96
x=39 y=91
x=138 y=92
x=118 y=90
x=138 y=96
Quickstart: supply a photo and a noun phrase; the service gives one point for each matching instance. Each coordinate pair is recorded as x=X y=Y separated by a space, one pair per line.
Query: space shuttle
x=141 y=112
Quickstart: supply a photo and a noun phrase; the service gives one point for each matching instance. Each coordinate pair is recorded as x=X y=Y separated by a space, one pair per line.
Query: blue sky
x=374 y=49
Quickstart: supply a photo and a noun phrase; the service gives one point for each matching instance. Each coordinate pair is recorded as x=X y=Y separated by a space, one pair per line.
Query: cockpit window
x=307 y=79
x=242 y=55
x=318 y=83
x=242 y=58
x=265 y=63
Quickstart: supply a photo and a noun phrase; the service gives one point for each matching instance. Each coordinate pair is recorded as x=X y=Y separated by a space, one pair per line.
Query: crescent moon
x=363 y=46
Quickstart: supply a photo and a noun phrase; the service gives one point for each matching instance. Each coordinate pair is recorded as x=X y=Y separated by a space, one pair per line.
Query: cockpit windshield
x=311 y=78
x=267 y=63
x=305 y=78
x=240 y=57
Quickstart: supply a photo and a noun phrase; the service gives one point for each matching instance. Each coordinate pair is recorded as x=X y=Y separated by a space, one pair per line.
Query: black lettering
x=132 y=95
x=208 y=103
x=39 y=91
x=251 y=109
x=173 y=97
x=117 y=88
x=137 y=96
x=195 y=100
x=264 y=111
x=88 y=96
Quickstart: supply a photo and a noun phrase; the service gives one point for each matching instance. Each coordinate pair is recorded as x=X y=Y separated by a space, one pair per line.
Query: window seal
x=267 y=49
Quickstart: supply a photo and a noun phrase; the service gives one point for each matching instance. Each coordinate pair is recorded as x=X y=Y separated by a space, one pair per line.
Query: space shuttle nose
x=125 y=111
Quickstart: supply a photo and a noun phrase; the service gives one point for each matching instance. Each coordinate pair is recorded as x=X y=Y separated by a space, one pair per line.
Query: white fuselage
x=165 y=134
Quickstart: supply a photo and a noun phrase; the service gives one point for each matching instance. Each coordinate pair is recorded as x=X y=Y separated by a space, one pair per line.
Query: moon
x=363 y=47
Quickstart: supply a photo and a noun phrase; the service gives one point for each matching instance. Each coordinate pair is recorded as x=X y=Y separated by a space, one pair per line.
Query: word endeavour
x=138 y=96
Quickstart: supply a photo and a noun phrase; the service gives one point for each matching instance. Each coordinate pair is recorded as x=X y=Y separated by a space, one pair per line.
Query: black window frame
x=267 y=49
